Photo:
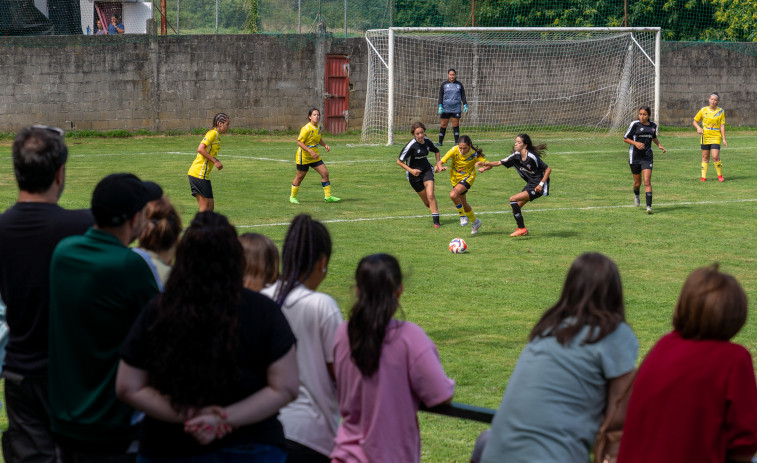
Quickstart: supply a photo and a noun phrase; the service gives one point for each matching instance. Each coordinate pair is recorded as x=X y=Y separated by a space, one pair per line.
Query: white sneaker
x=463 y=220
x=476 y=225
x=636 y=201
x=649 y=209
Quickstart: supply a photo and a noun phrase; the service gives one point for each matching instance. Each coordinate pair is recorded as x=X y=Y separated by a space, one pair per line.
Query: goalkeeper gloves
x=465 y=108
x=441 y=110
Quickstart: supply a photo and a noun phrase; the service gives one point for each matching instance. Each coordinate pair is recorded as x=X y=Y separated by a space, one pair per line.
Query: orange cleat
x=519 y=232
x=720 y=178
x=702 y=179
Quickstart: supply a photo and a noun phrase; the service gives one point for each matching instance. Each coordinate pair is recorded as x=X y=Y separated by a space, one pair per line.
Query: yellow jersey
x=463 y=165
x=202 y=166
x=310 y=135
x=711 y=122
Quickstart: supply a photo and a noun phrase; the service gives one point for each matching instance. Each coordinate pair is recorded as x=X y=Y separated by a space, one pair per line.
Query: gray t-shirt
x=555 y=398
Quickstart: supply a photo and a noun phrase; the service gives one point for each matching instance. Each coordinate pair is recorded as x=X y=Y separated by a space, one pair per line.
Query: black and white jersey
x=643 y=133
x=415 y=154
x=531 y=170
x=451 y=94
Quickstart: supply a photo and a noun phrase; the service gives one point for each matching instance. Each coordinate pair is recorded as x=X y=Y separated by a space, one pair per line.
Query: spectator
x=579 y=360
x=98 y=286
x=310 y=422
x=206 y=340
x=384 y=369
x=695 y=398
x=100 y=29
x=116 y=27
x=261 y=261
x=159 y=236
x=31 y=229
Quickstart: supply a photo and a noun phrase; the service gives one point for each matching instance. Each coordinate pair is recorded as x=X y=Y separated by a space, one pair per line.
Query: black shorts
x=532 y=193
x=418 y=183
x=713 y=146
x=448 y=115
x=465 y=184
x=637 y=167
x=200 y=187
x=305 y=167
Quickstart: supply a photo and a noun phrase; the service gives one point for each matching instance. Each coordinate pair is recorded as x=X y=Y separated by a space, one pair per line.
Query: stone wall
x=158 y=83
x=269 y=81
x=691 y=71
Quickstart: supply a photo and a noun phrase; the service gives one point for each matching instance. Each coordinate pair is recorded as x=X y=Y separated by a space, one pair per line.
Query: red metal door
x=337 y=104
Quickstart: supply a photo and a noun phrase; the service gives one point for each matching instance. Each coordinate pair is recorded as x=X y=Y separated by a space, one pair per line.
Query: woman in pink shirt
x=384 y=369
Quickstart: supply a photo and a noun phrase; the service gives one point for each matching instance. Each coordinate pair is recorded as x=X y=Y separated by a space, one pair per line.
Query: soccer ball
x=457 y=246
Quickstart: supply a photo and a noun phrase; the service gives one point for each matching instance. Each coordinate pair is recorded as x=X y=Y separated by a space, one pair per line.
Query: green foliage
x=418 y=13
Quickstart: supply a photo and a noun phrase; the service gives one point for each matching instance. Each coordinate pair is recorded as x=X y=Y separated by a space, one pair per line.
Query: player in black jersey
x=414 y=159
x=452 y=103
x=640 y=135
x=527 y=160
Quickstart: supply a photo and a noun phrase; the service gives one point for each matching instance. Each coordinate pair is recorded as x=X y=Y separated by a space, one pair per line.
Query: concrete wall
x=268 y=82
x=162 y=83
x=691 y=71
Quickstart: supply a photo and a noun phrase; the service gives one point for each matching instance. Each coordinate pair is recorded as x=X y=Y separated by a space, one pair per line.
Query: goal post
x=538 y=79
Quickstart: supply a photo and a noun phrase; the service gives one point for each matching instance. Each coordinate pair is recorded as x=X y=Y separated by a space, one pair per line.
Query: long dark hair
x=466 y=139
x=592 y=295
x=379 y=279
x=193 y=339
x=306 y=241
x=537 y=150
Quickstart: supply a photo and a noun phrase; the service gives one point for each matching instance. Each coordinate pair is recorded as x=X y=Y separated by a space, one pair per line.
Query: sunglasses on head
x=49 y=128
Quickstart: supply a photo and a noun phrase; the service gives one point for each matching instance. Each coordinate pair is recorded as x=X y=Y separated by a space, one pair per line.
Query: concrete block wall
x=171 y=83
x=693 y=70
x=269 y=81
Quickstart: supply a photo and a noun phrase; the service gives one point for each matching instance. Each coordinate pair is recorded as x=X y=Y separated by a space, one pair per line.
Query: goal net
x=515 y=79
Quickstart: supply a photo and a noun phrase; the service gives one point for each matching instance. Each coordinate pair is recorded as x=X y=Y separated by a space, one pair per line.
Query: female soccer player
x=451 y=95
x=420 y=174
x=206 y=158
x=711 y=131
x=307 y=157
x=527 y=159
x=464 y=157
x=385 y=368
x=640 y=135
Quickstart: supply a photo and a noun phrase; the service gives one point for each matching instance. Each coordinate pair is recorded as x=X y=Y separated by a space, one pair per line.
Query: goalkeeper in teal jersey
x=452 y=103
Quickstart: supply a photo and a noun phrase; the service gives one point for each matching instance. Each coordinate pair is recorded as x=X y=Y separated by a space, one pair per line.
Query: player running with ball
x=527 y=159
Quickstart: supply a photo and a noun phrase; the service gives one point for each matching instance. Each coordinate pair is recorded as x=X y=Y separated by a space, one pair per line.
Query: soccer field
x=478 y=307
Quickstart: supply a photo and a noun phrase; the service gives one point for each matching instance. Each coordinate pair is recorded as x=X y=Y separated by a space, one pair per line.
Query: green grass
x=477 y=307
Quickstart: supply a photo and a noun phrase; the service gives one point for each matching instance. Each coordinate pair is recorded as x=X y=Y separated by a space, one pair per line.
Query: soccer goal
x=534 y=79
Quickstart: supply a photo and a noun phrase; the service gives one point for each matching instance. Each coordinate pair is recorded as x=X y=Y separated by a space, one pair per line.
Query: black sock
x=636 y=192
x=457 y=134
x=516 y=213
x=435 y=217
x=649 y=199
x=442 y=131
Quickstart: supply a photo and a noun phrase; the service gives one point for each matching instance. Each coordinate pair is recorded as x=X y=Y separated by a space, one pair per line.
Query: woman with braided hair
x=311 y=421
x=207 y=157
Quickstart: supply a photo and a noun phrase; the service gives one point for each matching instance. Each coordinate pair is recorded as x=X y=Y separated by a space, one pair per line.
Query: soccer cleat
x=293 y=200
x=475 y=226
x=720 y=178
x=519 y=232
x=438 y=144
x=649 y=209
x=436 y=225
x=702 y=179
x=463 y=220
x=332 y=199
x=636 y=201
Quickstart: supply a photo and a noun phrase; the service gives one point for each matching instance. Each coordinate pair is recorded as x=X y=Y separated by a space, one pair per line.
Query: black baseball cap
x=119 y=196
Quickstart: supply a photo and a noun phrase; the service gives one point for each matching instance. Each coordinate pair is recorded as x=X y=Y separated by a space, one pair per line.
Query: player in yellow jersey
x=206 y=158
x=711 y=131
x=307 y=157
x=464 y=157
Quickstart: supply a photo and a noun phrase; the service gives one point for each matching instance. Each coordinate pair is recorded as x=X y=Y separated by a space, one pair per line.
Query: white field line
x=587 y=208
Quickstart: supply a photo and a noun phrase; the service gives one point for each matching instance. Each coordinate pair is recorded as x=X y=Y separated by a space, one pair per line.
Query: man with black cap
x=98 y=286
x=30 y=230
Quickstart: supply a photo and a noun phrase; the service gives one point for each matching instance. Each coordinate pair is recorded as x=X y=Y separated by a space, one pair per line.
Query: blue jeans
x=252 y=453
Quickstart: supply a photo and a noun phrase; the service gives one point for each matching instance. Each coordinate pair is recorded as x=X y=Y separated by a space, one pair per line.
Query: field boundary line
x=585 y=208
